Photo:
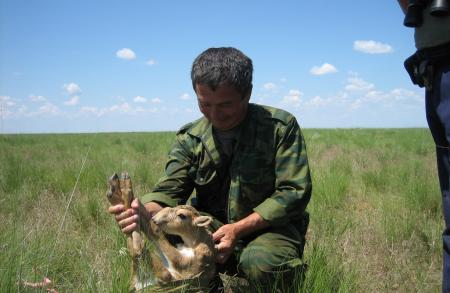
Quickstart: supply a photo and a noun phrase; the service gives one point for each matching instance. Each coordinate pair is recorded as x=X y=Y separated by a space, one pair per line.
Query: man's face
x=225 y=107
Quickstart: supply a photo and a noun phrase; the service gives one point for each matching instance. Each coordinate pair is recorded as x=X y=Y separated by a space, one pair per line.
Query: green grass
x=375 y=210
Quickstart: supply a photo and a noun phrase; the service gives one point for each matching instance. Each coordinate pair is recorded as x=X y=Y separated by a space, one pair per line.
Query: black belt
x=439 y=55
x=423 y=65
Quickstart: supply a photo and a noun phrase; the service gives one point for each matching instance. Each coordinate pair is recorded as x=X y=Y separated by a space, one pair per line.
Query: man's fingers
x=130 y=228
x=218 y=235
x=125 y=214
x=135 y=203
x=126 y=218
x=219 y=247
x=116 y=209
x=128 y=221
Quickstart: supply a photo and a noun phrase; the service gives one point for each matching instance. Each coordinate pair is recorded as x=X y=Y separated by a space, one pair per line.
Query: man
x=430 y=67
x=248 y=166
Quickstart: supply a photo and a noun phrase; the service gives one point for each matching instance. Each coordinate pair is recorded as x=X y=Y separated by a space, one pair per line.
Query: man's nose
x=214 y=112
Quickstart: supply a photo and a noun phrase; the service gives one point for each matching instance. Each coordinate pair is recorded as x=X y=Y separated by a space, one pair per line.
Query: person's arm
x=175 y=187
x=292 y=179
x=403 y=5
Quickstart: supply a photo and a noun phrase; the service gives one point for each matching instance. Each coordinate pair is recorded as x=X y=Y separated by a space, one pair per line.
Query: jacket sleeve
x=175 y=186
x=293 y=181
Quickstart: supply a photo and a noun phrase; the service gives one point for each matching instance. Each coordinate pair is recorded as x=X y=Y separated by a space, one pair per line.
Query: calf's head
x=180 y=220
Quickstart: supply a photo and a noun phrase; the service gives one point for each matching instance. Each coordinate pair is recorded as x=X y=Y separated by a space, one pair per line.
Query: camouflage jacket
x=269 y=170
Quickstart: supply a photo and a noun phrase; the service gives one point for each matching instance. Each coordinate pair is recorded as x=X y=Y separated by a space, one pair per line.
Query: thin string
x=67 y=208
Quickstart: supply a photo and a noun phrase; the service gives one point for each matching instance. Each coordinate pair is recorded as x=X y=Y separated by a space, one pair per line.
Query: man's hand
x=129 y=219
x=226 y=237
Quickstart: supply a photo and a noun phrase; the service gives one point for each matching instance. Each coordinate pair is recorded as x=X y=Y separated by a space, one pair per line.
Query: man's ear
x=202 y=221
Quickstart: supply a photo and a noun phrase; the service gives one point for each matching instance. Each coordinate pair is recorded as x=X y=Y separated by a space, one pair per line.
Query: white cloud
x=156 y=100
x=293 y=98
x=377 y=98
x=395 y=95
x=372 y=99
x=146 y=110
x=6 y=101
x=22 y=110
x=269 y=86
x=72 y=88
x=5 y=98
x=151 y=110
x=356 y=104
x=139 y=99
x=317 y=101
x=8 y=107
x=93 y=110
x=46 y=110
x=356 y=83
x=402 y=94
x=185 y=96
x=372 y=47
x=151 y=62
x=123 y=108
x=126 y=54
x=324 y=69
x=34 y=98
x=72 y=101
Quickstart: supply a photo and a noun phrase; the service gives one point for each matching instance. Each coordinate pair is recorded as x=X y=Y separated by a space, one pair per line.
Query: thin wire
x=65 y=212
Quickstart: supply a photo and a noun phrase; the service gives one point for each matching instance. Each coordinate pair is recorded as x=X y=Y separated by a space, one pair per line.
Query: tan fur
x=169 y=263
x=121 y=192
x=187 y=223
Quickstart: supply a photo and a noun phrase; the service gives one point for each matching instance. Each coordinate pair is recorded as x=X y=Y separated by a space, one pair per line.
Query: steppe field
x=375 y=210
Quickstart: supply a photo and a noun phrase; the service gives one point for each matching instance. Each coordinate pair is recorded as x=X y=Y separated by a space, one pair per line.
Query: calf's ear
x=202 y=221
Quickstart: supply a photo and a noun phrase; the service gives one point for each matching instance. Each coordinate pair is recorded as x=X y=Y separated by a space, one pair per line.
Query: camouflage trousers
x=269 y=256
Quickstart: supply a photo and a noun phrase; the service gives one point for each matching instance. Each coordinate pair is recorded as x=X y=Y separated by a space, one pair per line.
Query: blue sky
x=94 y=66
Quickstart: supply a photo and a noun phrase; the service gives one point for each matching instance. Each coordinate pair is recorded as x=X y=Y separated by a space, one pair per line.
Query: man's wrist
x=250 y=224
x=150 y=209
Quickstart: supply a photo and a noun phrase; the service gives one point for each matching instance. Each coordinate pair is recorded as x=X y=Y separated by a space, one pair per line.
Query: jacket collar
x=202 y=129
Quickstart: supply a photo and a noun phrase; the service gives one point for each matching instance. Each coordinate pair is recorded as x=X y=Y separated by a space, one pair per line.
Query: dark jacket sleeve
x=175 y=186
x=293 y=181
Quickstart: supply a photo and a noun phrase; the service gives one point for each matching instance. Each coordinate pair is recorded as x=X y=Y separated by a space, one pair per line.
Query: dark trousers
x=274 y=254
x=438 y=117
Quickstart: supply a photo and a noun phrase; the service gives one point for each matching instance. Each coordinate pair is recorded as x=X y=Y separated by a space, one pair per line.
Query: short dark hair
x=223 y=66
